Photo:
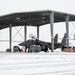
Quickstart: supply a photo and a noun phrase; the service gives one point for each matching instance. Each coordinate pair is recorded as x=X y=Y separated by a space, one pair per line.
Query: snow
x=56 y=63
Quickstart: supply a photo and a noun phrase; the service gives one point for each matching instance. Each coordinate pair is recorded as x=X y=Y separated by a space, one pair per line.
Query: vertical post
x=74 y=36
x=67 y=29
x=52 y=37
x=0 y=34
x=25 y=32
x=38 y=32
x=10 y=36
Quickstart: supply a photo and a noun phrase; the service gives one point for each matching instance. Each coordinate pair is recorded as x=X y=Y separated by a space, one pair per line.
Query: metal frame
x=41 y=20
x=38 y=32
x=52 y=30
x=67 y=29
x=25 y=31
x=10 y=36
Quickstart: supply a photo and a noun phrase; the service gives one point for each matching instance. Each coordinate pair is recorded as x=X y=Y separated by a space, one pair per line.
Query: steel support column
x=52 y=36
x=25 y=32
x=10 y=36
x=67 y=29
x=0 y=34
x=38 y=32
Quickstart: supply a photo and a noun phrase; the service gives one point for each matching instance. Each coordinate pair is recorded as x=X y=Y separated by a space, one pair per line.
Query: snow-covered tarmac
x=56 y=63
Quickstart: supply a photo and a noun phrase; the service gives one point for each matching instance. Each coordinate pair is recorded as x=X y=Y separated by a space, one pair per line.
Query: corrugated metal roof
x=37 y=18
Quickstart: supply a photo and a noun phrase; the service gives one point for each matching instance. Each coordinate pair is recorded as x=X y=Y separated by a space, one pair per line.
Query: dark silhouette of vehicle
x=49 y=44
x=59 y=45
x=43 y=46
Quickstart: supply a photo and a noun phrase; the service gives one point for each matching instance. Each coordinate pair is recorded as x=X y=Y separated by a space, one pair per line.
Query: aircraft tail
x=56 y=38
x=63 y=42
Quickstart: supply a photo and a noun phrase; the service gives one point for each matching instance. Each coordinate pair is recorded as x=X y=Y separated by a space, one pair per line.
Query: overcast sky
x=12 y=6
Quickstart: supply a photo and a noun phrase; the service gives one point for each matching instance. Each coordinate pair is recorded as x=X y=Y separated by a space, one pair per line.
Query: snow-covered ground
x=56 y=63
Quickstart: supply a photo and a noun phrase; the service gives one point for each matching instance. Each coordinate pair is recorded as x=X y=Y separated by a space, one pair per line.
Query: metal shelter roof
x=37 y=18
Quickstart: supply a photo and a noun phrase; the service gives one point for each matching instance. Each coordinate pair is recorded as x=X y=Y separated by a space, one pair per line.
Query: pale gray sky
x=12 y=6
